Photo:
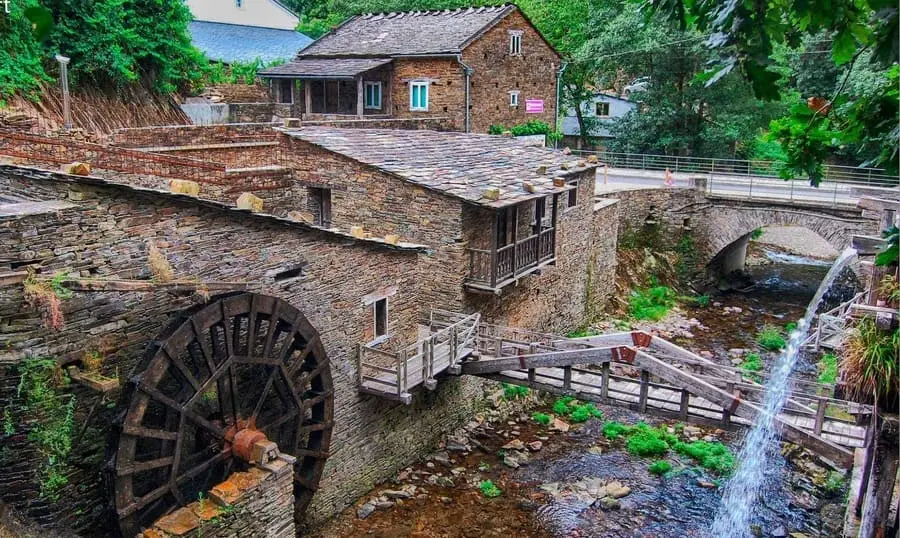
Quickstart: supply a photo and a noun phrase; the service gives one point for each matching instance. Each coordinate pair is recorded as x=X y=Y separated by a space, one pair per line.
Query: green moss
x=715 y=457
x=660 y=467
x=488 y=489
x=756 y=234
x=614 y=430
x=581 y=333
x=561 y=405
x=514 y=392
x=834 y=483
x=646 y=444
x=770 y=338
x=581 y=413
x=651 y=303
x=541 y=418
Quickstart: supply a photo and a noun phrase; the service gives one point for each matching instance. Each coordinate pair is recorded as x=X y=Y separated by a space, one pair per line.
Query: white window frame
x=423 y=84
x=374 y=106
x=387 y=316
x=596 y=104
x=514 y=98
x=515 y=42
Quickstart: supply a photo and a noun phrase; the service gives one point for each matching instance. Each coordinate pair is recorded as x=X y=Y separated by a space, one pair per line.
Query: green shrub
x=561 y=405
x=756 y=234
x=834 y=483
x=646 y=442
x=533 y=127
x=581 y=413
x=488 y=489
x=514 y=392
x=541 y=418
x=581 y=333
x=790 y=327
x=496 y=129
x=713 y=456
x=828 y=369
x=614 y=430
x=752 y=363
x=652 y=303
x=770 y=338
x=660 y=467
x=702 y=300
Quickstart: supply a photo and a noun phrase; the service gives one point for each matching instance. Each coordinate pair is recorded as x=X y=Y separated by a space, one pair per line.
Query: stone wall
x=191 y=135
x=446 y=91
x=104 y=234
x=532 y=74
x=261 y=112
x=663 y=213
x=432 y=123
x=239 y=93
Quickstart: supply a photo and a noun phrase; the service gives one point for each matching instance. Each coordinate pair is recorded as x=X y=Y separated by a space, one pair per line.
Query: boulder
x=365 y=510
x=77 y=169
x=249 y=201
x=184 y=186
x=491 y=193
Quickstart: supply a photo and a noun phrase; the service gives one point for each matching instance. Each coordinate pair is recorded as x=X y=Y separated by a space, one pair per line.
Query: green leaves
x=843 y=47
x=890 y=254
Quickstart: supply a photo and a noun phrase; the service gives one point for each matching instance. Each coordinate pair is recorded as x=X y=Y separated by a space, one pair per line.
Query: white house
x=606 y=108
x=244 y=30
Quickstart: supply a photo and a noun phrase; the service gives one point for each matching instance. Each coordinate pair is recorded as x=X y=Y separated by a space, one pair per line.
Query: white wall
x=264 y=13
x=617 y=109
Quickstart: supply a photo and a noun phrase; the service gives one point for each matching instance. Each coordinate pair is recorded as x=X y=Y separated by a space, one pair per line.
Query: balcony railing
x=492 y=269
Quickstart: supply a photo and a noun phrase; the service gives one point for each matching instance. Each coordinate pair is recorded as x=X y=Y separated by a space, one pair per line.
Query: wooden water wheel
x=243 y=361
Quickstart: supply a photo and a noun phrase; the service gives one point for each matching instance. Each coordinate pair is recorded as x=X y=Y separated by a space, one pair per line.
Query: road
x=829 y=194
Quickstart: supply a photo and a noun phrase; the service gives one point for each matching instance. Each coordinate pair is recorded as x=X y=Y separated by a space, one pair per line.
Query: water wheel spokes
x=244 y=361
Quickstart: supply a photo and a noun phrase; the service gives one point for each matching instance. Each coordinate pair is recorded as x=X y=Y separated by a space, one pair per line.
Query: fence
x=742 y=168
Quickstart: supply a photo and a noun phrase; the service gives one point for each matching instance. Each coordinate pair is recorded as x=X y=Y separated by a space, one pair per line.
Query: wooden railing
x=394 y=374
x=831 y=323
x=496 y=268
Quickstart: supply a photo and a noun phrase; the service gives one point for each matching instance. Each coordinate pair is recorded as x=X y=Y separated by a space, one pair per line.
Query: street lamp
x=64 y=82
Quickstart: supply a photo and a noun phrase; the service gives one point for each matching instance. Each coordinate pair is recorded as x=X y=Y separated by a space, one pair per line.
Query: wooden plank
x=642 y=400
x=538 y=360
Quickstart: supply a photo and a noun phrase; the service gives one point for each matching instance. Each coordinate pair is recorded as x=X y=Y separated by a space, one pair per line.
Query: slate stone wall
x=446 y=91
x=186 y=135
x=532 y=74
x=105 y=235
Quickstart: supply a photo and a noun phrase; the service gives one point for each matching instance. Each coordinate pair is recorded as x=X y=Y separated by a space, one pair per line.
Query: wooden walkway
x=629 y=369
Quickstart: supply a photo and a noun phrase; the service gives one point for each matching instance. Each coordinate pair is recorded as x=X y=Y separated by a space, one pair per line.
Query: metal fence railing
x=738 y=167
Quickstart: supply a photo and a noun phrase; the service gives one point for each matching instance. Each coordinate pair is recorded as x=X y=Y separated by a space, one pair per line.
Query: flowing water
x=743 y=489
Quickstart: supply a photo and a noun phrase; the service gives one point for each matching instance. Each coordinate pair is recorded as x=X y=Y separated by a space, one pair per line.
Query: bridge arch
x=723 y=228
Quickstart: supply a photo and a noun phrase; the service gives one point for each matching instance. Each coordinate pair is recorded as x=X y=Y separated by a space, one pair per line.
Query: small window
x=373 y=95
x=572 y=200
x=513 y=98
x=319 y=204
x=380 y=308
x=515 y=43
x=602 y=109
x=239 y=3
x=418 y=96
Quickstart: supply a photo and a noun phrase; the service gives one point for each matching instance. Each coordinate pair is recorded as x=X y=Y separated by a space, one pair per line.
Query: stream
x=577 y=483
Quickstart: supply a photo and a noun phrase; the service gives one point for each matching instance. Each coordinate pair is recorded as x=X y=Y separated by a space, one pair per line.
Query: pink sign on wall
x=534 y=106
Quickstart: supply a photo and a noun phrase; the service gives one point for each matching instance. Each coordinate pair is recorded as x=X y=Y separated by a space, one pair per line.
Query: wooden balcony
x=491 y=270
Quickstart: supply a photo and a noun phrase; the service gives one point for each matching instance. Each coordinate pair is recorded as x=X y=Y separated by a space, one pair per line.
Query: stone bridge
x=721 y=226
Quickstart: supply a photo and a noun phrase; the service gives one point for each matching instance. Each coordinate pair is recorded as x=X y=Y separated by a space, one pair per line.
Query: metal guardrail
x=739 y=167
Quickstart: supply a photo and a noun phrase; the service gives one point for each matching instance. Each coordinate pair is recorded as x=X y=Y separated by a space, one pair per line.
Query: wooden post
x=604 y=384
x=820 y=416
x=454 y=344
x=494 y=252
x=359 y=364
x=567 y=378
x=685 y=407
x=726 y=414
x=360 y=98
x=401 y=372
x=307 y=96
x=531 y=351
x=645 y=389
x=515 y=241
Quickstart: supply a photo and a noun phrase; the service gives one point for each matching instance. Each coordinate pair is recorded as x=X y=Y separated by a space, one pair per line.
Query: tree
x=745 y=35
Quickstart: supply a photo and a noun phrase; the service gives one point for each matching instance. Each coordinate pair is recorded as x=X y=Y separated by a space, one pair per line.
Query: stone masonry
x=99 y=234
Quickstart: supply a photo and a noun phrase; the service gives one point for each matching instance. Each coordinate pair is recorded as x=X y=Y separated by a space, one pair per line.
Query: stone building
x=362 y=233
x=476 y=66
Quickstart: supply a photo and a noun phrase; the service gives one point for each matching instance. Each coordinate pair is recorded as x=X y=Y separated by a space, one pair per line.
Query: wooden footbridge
x=630 y=369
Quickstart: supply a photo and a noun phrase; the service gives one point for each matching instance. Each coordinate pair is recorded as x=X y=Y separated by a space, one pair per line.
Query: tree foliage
x=854 y=34
x=111 y=43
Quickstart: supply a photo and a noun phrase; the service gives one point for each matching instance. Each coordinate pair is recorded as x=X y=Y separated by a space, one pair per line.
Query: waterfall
x=742 y=491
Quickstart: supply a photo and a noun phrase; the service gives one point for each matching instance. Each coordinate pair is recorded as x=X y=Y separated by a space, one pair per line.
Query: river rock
x=805 y=500
x=779 y=532
x=510 y=462
x=455 y=445
x=706 y=354
x=595 y=450
x=365 y=510
x=399 y=493
x=535 y=446
x=443 y=458
x=610 y=503
x=737 y=352
x=617 y=490
x=515 y=444
x=559 y=425
x=384 y=505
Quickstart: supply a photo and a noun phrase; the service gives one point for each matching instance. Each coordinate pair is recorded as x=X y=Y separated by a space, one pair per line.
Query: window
x=602 y=109
x=319 y=204
x=380 y=308
x=513 y=98
x=373 y=95
x=239 y=3
x=572 y=201
x=285 y=90
x=418 y=96
x=515 y=43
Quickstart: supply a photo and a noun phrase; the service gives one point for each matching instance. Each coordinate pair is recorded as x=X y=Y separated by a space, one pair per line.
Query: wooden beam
x=539 y=360
x=360 y=97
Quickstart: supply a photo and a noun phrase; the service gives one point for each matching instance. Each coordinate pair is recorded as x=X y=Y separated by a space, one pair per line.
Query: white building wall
x=617 y=109
x=263 y=13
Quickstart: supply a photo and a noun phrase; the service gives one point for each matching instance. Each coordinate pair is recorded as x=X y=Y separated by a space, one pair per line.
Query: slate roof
x=324 y=67
x=235 y=43
x=456 y=164
x=408 y=33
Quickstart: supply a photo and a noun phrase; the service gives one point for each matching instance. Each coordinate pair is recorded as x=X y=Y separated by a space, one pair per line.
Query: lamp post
x=64 y=83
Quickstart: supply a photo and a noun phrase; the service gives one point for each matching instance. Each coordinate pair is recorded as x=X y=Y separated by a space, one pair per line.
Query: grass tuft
x=828 y=369
x=770 y=338
x=514 y=392
x=651 y=304
x=541 y=418
x=489 y=490
x=660 y=467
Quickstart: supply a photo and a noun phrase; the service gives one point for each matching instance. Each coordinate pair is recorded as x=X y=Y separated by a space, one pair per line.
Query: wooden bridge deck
x=630 y=369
